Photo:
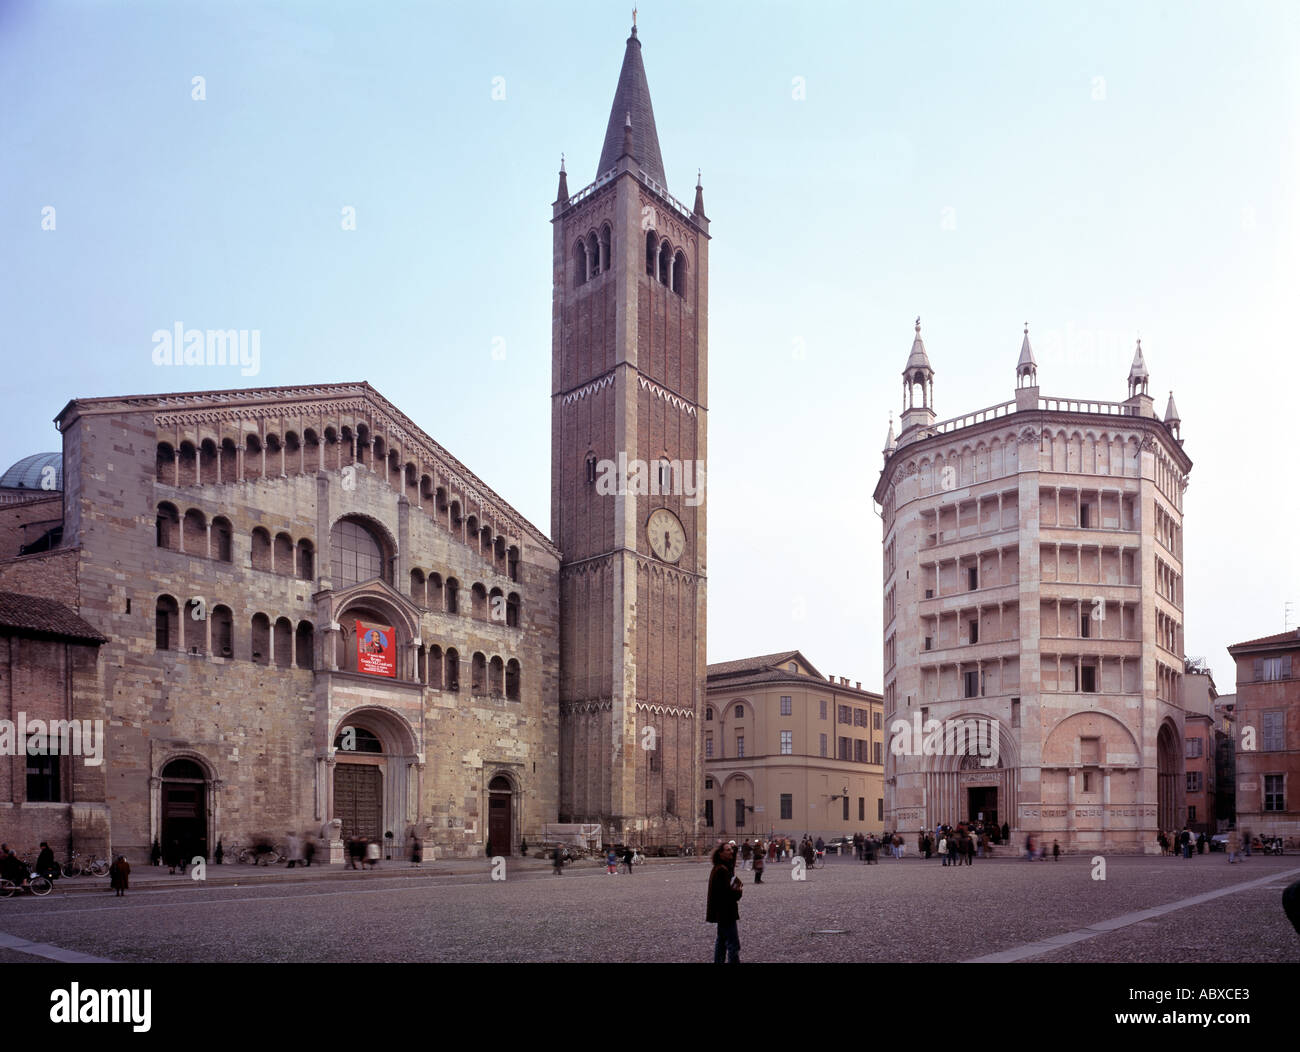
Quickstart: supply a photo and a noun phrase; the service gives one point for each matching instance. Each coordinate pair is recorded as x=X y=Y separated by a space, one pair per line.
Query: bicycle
x=93 y=866
x=35 y=883
x=258 y=856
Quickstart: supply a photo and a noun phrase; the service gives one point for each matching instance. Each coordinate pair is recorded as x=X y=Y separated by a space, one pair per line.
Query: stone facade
x=1033 y=594
x=206 y=530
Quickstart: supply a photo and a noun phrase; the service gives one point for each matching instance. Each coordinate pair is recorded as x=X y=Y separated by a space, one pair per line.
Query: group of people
x=1037 y=849
x=363 y=850
x=19 y=873
x=1183 y=843
x=612 y=858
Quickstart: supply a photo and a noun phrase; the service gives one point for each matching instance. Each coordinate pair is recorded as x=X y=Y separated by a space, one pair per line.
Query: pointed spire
x=891 y=443
x=632 y=105
x=1138 y=375
x=562 y=195
x=699 y=194
x=918 y=359
x=1171 y=411
x=1026 y=367
x=1138 y=370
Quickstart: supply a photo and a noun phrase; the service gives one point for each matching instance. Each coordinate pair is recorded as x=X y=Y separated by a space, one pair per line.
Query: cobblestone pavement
x=896 y=911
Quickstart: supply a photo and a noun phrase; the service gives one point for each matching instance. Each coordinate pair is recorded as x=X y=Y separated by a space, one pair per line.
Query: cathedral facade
x=292 y=610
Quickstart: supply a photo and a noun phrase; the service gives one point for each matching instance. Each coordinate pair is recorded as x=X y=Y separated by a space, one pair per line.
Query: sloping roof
x=757 y=664
x=761 y=677
x=1280 y=639
x=632 y=102
x=31 y=613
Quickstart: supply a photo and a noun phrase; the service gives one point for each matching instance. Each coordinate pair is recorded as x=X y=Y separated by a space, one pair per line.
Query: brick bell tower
x=628 y=446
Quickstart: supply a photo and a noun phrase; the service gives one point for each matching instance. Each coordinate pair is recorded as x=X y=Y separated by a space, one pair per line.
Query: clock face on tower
x=666 y=535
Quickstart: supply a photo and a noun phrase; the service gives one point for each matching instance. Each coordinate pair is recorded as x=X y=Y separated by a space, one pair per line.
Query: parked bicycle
x=260 y=855
x=77 y=865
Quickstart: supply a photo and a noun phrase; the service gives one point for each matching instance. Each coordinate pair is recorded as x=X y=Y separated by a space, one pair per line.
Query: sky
x=1102 y=171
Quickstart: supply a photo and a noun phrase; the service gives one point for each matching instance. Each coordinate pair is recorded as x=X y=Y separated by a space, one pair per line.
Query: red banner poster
x=376 y=649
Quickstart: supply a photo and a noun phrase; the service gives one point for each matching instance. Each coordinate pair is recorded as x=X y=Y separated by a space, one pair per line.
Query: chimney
x=858 y=685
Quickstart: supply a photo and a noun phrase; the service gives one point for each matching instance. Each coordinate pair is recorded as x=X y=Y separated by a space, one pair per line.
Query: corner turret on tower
x=917 y=373
x=1026 y=376
x=1140 y=402
x=1172 y=421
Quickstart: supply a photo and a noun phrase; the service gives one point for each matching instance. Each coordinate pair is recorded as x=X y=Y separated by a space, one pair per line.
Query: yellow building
x=789 y=751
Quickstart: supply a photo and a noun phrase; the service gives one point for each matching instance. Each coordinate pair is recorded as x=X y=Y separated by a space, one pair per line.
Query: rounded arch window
x=357 y=553
x=184 y=769
x=357 y=739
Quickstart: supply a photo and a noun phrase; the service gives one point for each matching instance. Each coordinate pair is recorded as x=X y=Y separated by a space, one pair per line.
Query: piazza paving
x=909 y=910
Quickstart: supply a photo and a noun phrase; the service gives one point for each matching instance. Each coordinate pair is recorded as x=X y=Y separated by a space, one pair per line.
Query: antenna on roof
x=1287 y=607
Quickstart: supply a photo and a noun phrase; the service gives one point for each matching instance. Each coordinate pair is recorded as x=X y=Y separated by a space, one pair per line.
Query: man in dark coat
x=45 y=864
x=725 y=890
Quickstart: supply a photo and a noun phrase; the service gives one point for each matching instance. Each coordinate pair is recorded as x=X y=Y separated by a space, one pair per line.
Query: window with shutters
x=1193 y=781
x=1274 y=797
x=876 y=748
x=1273 y=731
x=822 y=704
x=1273 y=668
x=787 y=806
x=846 y=748
x=1193 y=748
x=823 y=744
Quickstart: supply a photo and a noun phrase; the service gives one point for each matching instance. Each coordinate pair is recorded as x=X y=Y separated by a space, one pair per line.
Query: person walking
x=758 y=865
x=417 y=851
x=943 y=850
x=1234 y=845
x=558 y=857
x=292 y=848
x=629 y=856
x=1056 y=851
x=372 y=854
x=119 y=876
x=45 y=865
x=725 y=889
x=1029 y=848
x=611 y=863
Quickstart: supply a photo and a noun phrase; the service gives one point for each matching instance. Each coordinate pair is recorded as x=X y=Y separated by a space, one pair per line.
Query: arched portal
x=1167 y=779
x=500 y=815
x=183 y=830
x=375 y=776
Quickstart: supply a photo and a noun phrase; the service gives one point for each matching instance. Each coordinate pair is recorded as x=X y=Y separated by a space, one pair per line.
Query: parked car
x=1219 y=842
x=841 y=845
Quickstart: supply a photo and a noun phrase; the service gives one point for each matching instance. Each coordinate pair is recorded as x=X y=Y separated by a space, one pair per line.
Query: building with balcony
x=789 y=751
x=1033 y=596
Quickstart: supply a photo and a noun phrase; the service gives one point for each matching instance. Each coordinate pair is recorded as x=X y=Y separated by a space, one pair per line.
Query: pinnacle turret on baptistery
x=917 y=373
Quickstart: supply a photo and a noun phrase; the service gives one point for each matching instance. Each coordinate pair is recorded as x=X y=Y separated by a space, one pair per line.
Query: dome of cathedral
x=26 y=473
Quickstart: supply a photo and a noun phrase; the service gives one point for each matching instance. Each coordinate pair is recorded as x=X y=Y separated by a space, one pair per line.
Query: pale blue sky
x=962 y=162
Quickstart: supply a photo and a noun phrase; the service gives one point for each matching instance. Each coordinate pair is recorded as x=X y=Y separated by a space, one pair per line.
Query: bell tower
x=628 y=447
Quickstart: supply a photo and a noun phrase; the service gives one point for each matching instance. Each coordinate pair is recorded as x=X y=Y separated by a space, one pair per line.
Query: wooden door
x=358 y=800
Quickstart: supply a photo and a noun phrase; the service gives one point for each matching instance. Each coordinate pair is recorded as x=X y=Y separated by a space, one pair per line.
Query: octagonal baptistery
x=320 y=621
x=1033 y=615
